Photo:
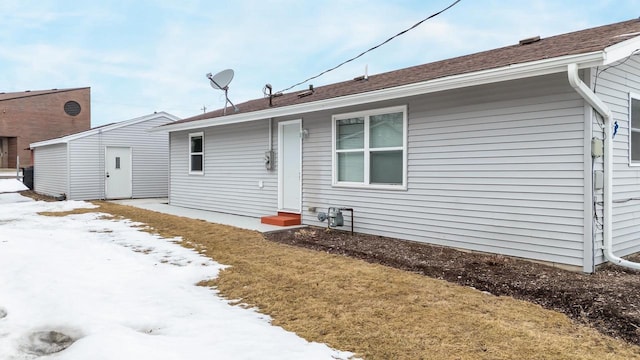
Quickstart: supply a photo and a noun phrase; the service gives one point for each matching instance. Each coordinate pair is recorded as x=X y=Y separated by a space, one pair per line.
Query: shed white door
x=289 y=166
x=118 y=173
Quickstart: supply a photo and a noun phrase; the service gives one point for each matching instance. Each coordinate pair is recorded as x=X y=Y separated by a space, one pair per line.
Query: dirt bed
x=608 y=300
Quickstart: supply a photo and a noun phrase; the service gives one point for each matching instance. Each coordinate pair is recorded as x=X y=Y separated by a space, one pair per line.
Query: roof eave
x=621 y=50
x=67 y=138
x=511 y=72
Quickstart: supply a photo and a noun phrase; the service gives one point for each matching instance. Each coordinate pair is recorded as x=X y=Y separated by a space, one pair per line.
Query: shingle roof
x=105 y=128
x=579 y=42
x=28 y=93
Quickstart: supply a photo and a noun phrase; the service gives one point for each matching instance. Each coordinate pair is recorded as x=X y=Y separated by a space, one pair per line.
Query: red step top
x=282 y=219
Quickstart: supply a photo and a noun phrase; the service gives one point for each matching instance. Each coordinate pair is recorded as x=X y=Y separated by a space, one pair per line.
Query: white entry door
x=118 y=173
x=289 y=166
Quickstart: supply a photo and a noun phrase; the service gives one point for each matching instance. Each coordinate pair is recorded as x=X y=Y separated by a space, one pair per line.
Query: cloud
x=145 y=56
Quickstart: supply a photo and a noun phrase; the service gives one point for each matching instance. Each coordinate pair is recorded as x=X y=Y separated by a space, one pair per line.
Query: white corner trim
x=632 y=96
x=607 y=208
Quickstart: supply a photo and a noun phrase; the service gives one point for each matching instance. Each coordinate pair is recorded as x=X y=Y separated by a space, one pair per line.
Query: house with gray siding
x=115 y=161
x=530 y=150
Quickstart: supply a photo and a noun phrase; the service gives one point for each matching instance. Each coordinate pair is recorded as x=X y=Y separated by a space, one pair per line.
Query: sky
x=144 y=56
x=112 y=291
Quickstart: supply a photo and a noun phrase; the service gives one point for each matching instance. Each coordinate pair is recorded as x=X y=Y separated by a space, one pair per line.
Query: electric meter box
x=597 y=148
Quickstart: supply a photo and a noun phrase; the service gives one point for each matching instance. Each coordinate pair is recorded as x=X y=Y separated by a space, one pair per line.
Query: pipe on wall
x=601 y=108
x=270 y=146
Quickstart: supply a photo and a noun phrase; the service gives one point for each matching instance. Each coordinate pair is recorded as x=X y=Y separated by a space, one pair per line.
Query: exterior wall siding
x=86 y=174
x=233 y=168
x=149 y=151
x=50 y=178
x=496 y=168
x=150 y=164
x=613 y=86
x=86 y=168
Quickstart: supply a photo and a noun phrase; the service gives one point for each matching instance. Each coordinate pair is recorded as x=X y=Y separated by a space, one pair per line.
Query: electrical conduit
x=602 y=109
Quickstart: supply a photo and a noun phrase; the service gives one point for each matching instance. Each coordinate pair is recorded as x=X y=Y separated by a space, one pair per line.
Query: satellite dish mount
x=221 y=81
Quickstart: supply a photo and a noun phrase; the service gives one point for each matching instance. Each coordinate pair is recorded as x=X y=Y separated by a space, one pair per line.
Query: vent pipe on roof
x=306 y=93
x=365 y=76
x=599 y=106
x=530 y=40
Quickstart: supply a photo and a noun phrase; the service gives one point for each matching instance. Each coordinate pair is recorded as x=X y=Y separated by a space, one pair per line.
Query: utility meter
x=268 y=160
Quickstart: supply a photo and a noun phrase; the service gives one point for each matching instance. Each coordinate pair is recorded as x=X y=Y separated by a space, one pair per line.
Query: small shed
x=116 y=161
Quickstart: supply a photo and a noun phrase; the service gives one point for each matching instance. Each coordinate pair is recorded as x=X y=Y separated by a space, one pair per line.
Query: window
x=72 y=108
x=370 y=149
x=634 y=127
x=196 y=153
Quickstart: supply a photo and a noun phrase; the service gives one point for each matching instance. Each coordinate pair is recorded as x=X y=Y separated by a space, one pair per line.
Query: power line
x=599 y=72
x=375 y=47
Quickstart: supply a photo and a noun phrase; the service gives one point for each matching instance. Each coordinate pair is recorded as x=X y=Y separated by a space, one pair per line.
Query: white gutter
x=602 y=109
x=510 y=72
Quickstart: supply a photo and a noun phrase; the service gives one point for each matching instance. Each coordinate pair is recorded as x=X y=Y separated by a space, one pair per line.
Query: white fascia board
x=511 y=72
x=66 y=139
x=60 y=140
x=622 y=50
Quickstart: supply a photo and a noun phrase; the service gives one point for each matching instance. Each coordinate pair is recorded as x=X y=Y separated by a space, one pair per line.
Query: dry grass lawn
x=375 y=311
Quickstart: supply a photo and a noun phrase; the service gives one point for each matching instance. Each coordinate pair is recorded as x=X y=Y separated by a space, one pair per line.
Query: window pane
x=635 y=114
x=635 y=146
x=386 y=167
x=351 y=167
x=350 y=133
x=385 y=130
x=117 y=162
x=196 y=144
x=196 y=162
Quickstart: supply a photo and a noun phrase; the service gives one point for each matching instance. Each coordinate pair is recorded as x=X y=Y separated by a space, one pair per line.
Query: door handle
x=107 y=174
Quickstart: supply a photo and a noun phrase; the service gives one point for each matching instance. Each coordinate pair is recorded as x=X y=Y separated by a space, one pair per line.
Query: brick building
x=31 y=116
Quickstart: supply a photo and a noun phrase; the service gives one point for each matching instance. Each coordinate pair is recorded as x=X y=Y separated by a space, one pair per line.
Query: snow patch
x=150 y=330
x=76 y=285
x=11 y=185
x=12 y=198
x=48 y=342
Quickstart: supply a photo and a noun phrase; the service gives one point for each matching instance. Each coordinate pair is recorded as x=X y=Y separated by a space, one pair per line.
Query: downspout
x=602 y=109
x=270 y=146
x=67 y=195
x=102 y=172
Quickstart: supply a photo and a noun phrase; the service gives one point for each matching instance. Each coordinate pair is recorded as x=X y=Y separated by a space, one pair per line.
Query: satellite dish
x=221 y=80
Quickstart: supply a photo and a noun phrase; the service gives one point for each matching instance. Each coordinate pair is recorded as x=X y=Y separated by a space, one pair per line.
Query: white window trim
x=365 y=184
x=192 y=135
x=632 y=96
